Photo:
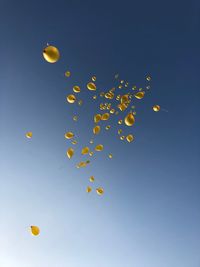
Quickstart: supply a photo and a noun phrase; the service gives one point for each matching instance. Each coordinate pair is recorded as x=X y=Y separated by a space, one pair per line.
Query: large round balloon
x=51 y=54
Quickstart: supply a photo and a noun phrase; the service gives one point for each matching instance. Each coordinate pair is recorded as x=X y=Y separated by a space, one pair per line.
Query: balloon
x=35 y=230
x=67 y=73
x=51 y=54
x=139 y=95
x=97 y=118
x=91 y=179
x=76 y=89
x=71 y=99
x=96 y=129
x=69 y=135
x=148 y=78
x=29 y=135
x=129 y=138
x=94 y=78
x=110 y=156
x=100 y=191
x=85 y=150
x=91 y=86
x=156 y=108
x=70 y=152
x=129 y=119
x=89 y=189
x=99 y=148
x=105 y=116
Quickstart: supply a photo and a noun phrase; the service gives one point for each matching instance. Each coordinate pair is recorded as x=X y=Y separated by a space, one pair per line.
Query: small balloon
x=76 y=89
x=67 y=74
x=97 y=118
x=129 y=119
x=85 y=150
x=100 y=191
x=105 y=116
x=70 y=152
x=29 y=135
x=94 y=78
x=139 y=95
x=69 y=135
x=88 y=189
x=99 y=147
x=35 y=230
x=91 y=86
x=92 y=179
x=96 y=129
x=156 y=108
x=71 y=99
x=129 y=138
x=110 y=156
x=51 y=54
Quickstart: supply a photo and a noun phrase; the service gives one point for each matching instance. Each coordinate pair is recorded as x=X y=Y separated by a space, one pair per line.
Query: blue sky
x=149 y=215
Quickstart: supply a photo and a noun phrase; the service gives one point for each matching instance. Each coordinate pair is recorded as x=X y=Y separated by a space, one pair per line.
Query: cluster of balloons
x=114 y=102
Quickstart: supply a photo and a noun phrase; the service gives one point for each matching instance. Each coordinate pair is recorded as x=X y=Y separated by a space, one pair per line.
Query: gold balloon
x=70 y=152
x=107 y=127
x=85 y=150
x=124 y=99
x=76 y=89
x=148 y=78
x=29 y=135
x=156 y=108
x=105 y=116
x=91 y=153
x=51 y=54
x=129 y=138
x=75 y=118
x=120 y=121
x=74 y=142
x=110 y=156
x=119 y=131
x=112 y=111
x=88 y=189
x=68 y=74
x=96 y=129
x=71 y=99
x=69 y=135
x=139 y=95
x=122 y=137
x=99 y=148
x=91 y=179
x=100 y=191
x=94 y=78
x=35 y=230
x=97 y=118
x=81 y=164
x=91 y=86
x=129 y=119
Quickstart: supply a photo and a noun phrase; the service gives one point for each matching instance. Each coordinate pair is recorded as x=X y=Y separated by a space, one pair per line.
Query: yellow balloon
x=99 y=147
x=76 y=89
x=129 y=138
x=71 y=99
x=91 y=178
x=105 y=116
x=110 y=156
x=91 y=153
x=85 y=150
x=96 y=129
x=51 y=54
x=156 y=108
x=139 y=95
x=69 y=135
x=88 y=189
x=29 y=135
x=97 y=118
x=91 y=86
x=35 y=230
x=100 y=191
x=129 y=119
x=94 y=78
x=70 y=152
x=124 y=99
x=67 y=73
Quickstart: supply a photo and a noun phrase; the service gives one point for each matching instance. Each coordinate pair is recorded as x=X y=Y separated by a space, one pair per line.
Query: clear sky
x=149 y=215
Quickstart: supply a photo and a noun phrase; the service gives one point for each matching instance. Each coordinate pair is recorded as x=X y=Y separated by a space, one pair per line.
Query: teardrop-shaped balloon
x=69 y=135
x=124 y=99
x=100 y=191
x=76 y=89
x=96 y=129
x=35 y=230
x=88 y=189
x=129 y=138
x=70 y=152
x=105 y=116
x=91 y=86
x=71 y=99
x=68 y=74
x=85 y=150
x=129 y=119
x=29 y=135
x=110 y=156
x=156 y=108
x=97 y=118
x=91 y=179
x=139 y=95
x=99 y=147
x=51 y=54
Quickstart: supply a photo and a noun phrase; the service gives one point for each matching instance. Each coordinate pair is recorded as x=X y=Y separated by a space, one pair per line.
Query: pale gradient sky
x=149 y=215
